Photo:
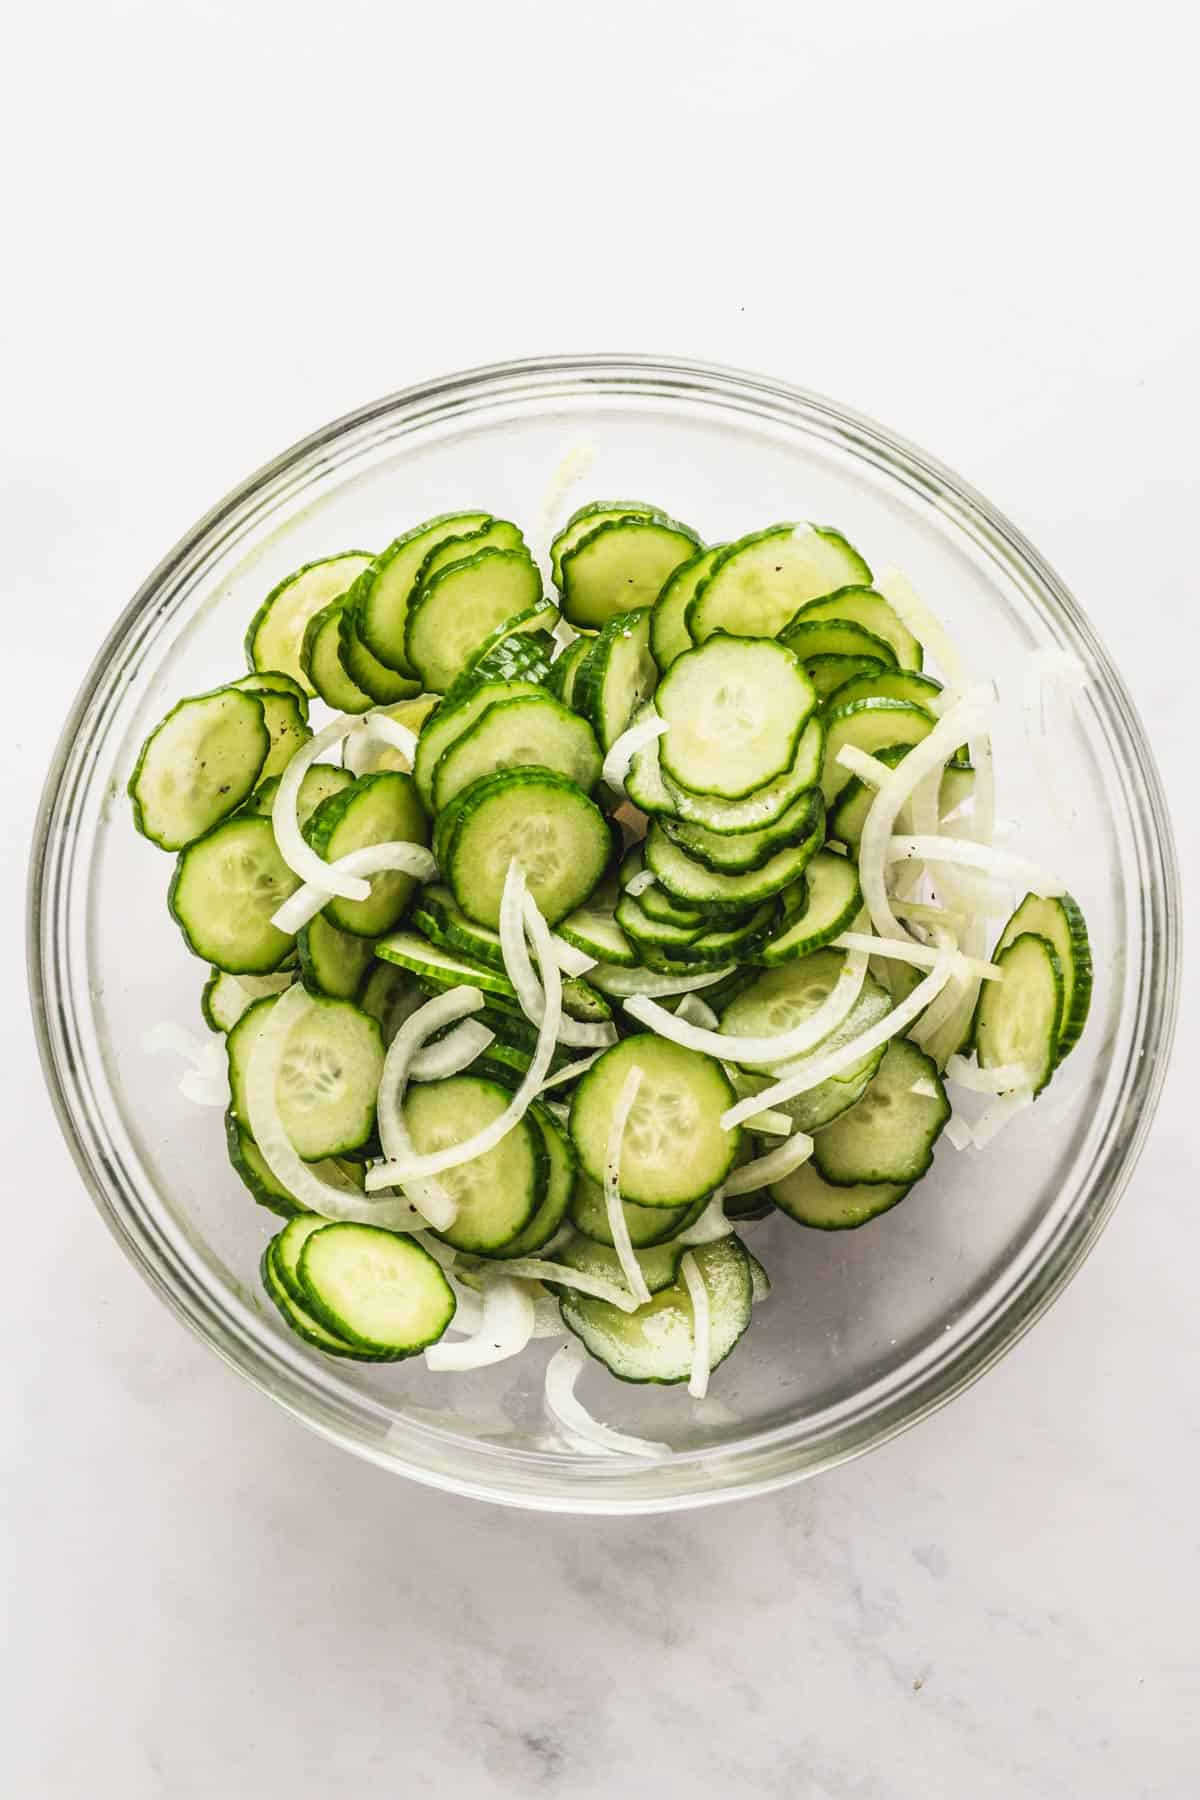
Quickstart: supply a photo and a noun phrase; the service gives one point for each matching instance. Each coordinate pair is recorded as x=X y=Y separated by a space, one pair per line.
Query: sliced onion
x=817 y=1069
x=957 y=999
x=772 y=1167
x=639 y=983
x=959 y=1132
x=372 y=859
x=618 y=1224
x=771 y=1123
x=1000 y=1080
x=693 y=1280
x=429 y=1197
x=538 y=1268
x=390 y=731
x=296 y=852
x=780 y=1048
x=1001 y=1112
x=562 y=1372
x=570 y=960
x=1001 y=864
x=925 y=626
x=451 y=1054
x=710 y=1226
x=504 y=1331
x=637 y=884
x=180 y=1041
x=922 y=914
x=515 y=905
x=409 y=1167
x=868 y=768
x=205 y=1088
x=626 y=747
x=569 y=1074
x=275 y=1147
x=694 y=1010
x=547 y=1319
x=922 y=956
x=1050 y=669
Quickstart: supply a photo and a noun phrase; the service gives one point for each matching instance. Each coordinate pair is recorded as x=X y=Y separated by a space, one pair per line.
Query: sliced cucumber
x=834 y=899
x=891 y=684
x=328 y=1076
x=390 y=995
x=543 y=821
x=810 y=1200
x=620 y=566
x=383 y=591
x=496 y=534
x=247 y=1162
x=657 y=1342
x=318 y=782
x=646 y=1224
x=378 y=1290
x=616 y=677
x=374 y=677
x=828 y=673
x=226 y=997
x=870 y=725
x=674 y=1149
x=735 y=708
x=276 y=635
x=588 y=518
x=659 y=1263
x=648 y=789
x=656 y=903
x=198 y=765
x=444 y=922
x=520 y=649
x=812 y=640
x=1019 y=1018
x=321 y=662
x=593 y=929
x=560 y=1185
x=532 y=730
x=375 y=809
x=287 y=722
x=723 y=943
x=332 y=961
x=817 y=1106
x=669 y=635
x=694 y=885
x=286 y=1247
x=563 y=673
x=298 y=1319
x=454 y=613
x=890 y=1134
x=496 y=1194
x=272 y=681
x=1062 y=924
x=782 y=998
x=859 y=605
x=409 y=951
x=739 y=853
x=758 y=583
x=224 y=892
x=646 y=932
x=452 y=719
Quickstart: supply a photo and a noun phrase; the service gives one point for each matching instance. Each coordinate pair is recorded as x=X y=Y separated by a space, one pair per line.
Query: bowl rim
x=762 y=1461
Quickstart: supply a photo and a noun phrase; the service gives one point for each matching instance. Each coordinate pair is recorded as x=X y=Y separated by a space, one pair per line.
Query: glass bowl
x=865 y=1331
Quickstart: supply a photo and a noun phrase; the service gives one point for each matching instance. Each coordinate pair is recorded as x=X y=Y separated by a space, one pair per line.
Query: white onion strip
x=1000 y=1080
x=539 y=1268
x=922 y=956
x=569 y=1073
x=372 y=859
x=1001 y=1112
x=689 y=1268
x=925 y=626
x=451 y=1054
x=1000 y=864
x=772 y=1167
x=631 y=984
x=562 y=1372
x=637 y=884
x=516 y=907
x=772 y=1123
x=779 y=1048
x=696 y=1012
x=626 y=747
x=817 y=1069
x=711 y=1225
x=390 y=731
x=295 y=850
x=409 y=1167
x=275 y=1147
x=618 y=1224
x=430 y=1198
x=570 y=960
x=1061 y=672
x=504 y=1331
x=959 y=1132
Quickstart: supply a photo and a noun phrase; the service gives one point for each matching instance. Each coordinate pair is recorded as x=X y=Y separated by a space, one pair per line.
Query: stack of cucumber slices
x=587 y=934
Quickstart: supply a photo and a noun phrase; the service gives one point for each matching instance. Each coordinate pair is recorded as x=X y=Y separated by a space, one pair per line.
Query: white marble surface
x=976 y=222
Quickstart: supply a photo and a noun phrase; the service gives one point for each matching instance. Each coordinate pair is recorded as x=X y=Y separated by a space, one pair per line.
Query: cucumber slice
x=737 y=854
x=721 y=944
x=298 y=1318
x=328 y=1077
x=646 y=1224
x=383 y=591
x=779 y=999
x=669 y=635
x=322 y=666
x=375 y=809
x=656 y=903
x=277 y=630
x=560 y=1184
x=226 y=997
x=440 y=917
x=224 y=892
x=619 y=566
x=814 y=639
x=286 y=1247
x=694 y=885
x=562 y=677
x=616 y=677
x=272 y=681
x=439 y=967
x=365 y=669
x=645 y=932
x=198 y=765
x=758 y=583
x=648 y=789
x=496 y=534
x=498 y=1193
x=674 y=1150
x=810 y=1200
x=532 y=730
x=593 y=929
x=1062 y=924
x=521 y=649
x=247 y=1162
x=331 y=961
x=1019 y=1018
x=834 y=902
x=891 y=684
x=377 y=1290
x=389 y=996
x=588 y=518
x=454 y=613
x=828 y=673
x=657 y=1343
x=659 y=1263
x=890 y=1134
x=287 y=722
x=553 y=829
x=863 y=606
x=318 y=783
x=870 y=725
x=736 y=708
x=452 y=719
x=817 y=1106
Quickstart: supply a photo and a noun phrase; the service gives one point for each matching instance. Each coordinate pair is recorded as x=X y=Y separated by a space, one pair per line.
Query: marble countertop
x=238 y=227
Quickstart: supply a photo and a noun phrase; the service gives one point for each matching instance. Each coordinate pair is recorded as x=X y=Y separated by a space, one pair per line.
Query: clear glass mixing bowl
x=865 y=1331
